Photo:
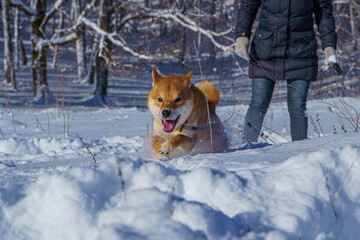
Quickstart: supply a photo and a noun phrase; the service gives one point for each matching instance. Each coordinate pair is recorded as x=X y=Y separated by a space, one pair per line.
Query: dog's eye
x=160 y=99
x=178 y=99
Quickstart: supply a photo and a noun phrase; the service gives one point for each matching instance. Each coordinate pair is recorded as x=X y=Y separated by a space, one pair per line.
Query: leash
x=262 y=68
x=207 y=102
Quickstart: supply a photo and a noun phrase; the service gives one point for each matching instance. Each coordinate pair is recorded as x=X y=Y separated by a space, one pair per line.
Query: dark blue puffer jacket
x=284 y=45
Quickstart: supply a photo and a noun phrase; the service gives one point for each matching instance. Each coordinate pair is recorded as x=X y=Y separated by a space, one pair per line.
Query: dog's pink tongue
x=169 y=125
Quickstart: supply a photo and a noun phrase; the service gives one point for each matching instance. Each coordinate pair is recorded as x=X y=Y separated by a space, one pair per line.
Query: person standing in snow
x=283 y=48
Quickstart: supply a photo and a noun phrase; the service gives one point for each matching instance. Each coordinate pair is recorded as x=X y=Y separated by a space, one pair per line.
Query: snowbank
x=291 y=190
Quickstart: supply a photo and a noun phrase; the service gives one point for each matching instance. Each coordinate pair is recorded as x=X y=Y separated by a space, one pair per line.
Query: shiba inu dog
x=181 y=123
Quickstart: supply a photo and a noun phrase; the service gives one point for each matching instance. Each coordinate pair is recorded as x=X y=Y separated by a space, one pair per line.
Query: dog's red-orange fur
x=188 y=106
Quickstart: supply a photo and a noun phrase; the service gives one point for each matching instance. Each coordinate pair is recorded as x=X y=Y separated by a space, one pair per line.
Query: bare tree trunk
x=102 y=59
x=16 y=38
x=199 y=34
x=55 y=55
x=163 y=25
x=102 y=74
x=183 y=51
x=184 y=42
x=91 y=69
x=39 y=66
x=147 y=3
x=8 y=54
x=352 y=24
x=80 y=47
x=22 y=51
x=213 y=19
x=91 y=66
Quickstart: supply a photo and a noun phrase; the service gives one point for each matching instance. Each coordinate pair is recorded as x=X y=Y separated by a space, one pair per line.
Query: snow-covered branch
x=51 y=12
x=54 y=41
x=192 y=25
x=58 y=38
x=23 y=7
x=112 y=37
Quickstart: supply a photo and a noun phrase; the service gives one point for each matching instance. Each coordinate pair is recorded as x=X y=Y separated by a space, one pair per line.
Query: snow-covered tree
x=39 y=16
x=108 y=33
x=8 y=52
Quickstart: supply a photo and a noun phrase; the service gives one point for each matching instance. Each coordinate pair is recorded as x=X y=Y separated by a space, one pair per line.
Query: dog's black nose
x=166 y=113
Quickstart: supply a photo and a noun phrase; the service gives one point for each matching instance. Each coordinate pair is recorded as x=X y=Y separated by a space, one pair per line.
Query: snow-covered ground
x=50 y=187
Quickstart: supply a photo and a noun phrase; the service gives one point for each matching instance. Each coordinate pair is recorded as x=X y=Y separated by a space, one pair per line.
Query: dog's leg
x=157 y=142
x=179 y=140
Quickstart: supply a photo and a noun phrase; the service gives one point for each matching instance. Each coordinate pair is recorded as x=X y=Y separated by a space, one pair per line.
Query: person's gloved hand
x=330 y=56
x=331 y=61
x=241 y=47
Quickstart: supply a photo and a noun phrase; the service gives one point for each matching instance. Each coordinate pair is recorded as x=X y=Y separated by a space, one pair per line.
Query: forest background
x=77 y=52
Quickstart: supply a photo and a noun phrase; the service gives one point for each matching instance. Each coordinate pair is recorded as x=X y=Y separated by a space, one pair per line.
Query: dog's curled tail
x=211 y=92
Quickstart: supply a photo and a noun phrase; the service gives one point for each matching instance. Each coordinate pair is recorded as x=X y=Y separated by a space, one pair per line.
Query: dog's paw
x=166 y=148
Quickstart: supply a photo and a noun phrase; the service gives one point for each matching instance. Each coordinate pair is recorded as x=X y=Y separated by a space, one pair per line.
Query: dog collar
x=196 y=128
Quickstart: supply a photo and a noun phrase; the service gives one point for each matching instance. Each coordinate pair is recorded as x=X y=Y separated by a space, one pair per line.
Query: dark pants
x=262 y=90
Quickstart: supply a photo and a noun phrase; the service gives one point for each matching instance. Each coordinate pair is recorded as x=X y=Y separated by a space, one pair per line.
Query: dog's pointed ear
x=156 y=77
x=187 y=79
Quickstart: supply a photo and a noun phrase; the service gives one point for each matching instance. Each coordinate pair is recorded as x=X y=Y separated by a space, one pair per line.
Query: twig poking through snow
x=87 y=148
x=262 y=135
x=328 y=188
x=318 y=122
x=311 y=120
x=330 y=196
x=240 y=130
x=8 y=163
x=172 y=200
x=346 y=176
x=120 y=174
x=2 y=134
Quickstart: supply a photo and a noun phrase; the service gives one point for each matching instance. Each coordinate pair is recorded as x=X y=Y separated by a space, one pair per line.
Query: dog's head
x=170 y=100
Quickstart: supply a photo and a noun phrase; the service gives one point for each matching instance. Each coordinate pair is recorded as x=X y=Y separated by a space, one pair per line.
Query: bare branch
x=192 y=25
x=51 y=12
x=87 y=148
x=27 y=10
x=111 y=36
x=57 y=41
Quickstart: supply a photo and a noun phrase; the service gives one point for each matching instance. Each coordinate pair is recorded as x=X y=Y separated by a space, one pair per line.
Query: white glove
x=330 y=58
x=241 y=47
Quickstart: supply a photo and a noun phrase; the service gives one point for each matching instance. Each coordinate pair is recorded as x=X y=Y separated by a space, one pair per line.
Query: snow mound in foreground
x=129 y=198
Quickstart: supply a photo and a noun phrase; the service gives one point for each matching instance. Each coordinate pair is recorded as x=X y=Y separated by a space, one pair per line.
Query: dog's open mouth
x=169 y=125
